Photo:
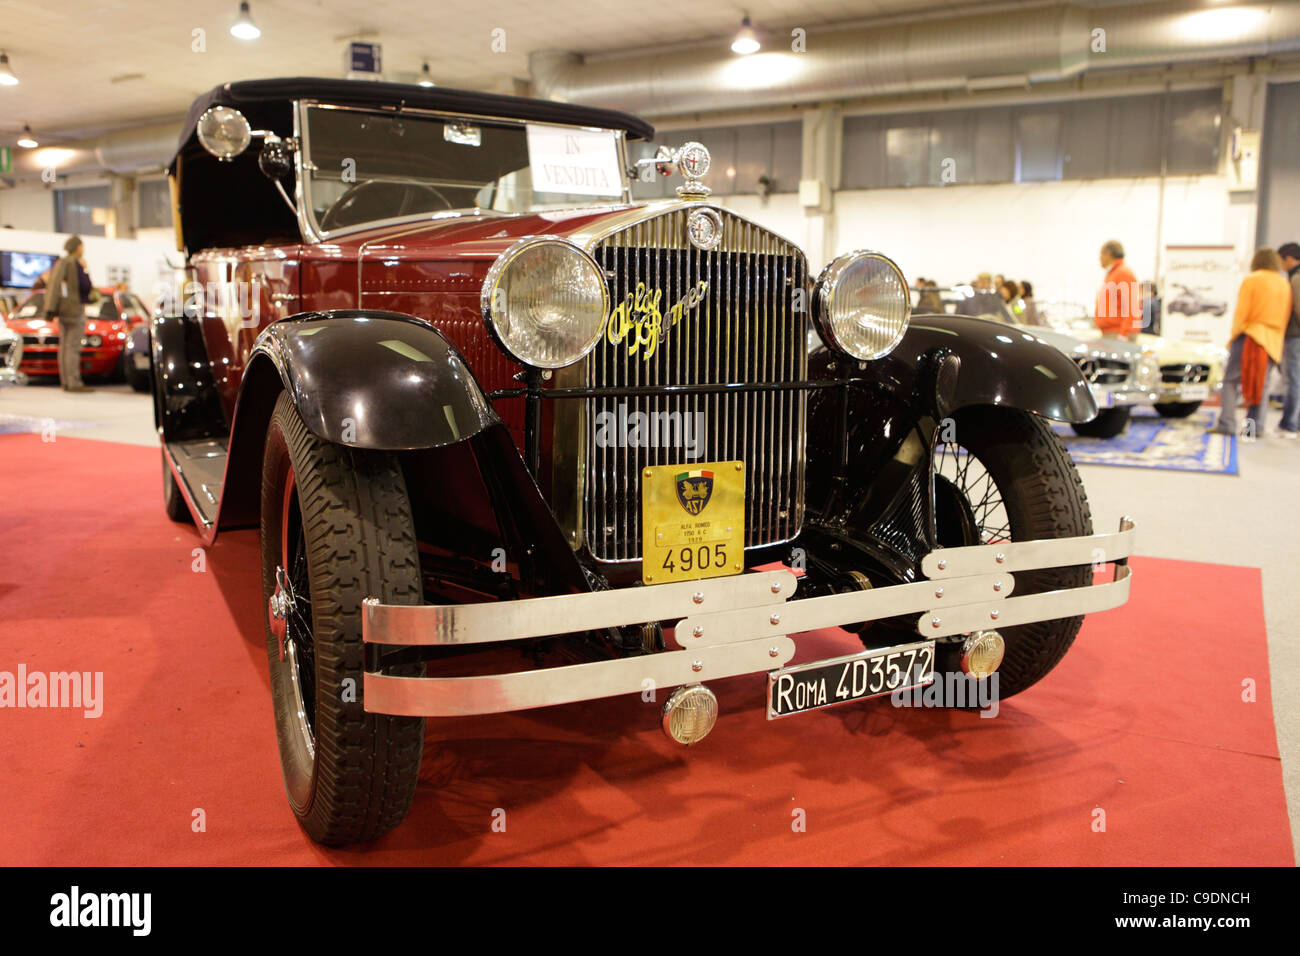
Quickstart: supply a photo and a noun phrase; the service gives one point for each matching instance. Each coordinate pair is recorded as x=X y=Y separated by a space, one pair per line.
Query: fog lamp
x=690 y=713
x=981 y=653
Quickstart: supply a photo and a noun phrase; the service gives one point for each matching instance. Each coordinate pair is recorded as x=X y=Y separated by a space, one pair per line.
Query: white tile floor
x=1252 y=520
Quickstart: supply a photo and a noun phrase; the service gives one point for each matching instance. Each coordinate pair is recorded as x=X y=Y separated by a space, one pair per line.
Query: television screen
x=20 y=270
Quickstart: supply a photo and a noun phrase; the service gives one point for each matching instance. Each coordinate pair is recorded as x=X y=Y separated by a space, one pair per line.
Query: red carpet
x=1144 y=721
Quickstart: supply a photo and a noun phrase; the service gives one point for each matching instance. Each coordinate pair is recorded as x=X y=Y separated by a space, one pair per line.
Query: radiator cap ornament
x=693 y=163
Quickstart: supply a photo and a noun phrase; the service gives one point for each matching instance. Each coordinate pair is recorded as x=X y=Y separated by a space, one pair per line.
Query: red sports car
x=108 y=324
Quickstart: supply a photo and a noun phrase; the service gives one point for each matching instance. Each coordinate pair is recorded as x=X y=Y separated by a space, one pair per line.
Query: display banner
x=1200 y=291
x=581 y=162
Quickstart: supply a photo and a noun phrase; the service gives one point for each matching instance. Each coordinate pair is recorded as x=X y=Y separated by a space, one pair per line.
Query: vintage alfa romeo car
x=513 y=440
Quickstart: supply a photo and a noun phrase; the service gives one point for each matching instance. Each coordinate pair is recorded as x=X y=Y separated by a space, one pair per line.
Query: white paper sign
x=580 y=162
x=1200 y=291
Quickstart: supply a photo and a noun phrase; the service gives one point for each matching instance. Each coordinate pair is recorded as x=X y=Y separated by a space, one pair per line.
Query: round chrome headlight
x=544 y=301
x=223 y=132
x=94 y=341
x=861 y=305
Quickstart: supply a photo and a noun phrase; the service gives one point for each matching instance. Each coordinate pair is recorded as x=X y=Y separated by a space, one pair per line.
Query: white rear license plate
x=839 y=680
x=1194 y=393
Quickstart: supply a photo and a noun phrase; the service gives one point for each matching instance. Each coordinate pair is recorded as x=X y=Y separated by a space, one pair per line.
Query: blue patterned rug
x=1170 y=444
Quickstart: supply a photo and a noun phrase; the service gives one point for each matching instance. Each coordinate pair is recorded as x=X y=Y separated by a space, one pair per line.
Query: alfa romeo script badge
x=704 y=229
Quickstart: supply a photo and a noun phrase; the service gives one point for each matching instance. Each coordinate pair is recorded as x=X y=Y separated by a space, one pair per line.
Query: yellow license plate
x=692 y=521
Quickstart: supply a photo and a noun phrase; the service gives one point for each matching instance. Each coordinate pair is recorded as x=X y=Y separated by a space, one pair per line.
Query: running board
x=199 y=467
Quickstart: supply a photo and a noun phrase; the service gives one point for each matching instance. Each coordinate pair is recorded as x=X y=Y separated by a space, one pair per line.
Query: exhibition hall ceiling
x=90 y=66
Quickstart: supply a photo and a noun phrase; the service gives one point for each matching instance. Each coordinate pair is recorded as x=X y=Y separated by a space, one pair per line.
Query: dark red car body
x=431 y=270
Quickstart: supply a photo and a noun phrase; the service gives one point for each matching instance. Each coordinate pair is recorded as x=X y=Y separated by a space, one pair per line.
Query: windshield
x=365 y=167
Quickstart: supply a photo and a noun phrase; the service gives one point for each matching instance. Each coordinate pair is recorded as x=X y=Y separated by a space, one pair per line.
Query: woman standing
x=1029 y=312
x=1258 y=326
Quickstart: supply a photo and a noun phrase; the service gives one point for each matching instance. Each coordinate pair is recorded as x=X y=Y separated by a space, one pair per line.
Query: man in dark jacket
x=66 y=293
x=1290 y=253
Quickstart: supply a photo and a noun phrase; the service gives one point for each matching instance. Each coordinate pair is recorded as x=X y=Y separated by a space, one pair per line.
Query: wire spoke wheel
x=963 y=483
x=1006 y=476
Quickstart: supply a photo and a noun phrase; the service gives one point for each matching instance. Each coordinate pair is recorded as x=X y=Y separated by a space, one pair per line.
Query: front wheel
x=1108 y=423
x=336 y=529
x=1006 y=476
x=1177 y=409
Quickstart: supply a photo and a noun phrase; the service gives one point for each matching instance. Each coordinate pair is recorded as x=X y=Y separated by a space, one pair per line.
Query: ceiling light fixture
x=27 y=140
x=7 y=77
x=244 y=28
x=426 y=78
x=746 y=41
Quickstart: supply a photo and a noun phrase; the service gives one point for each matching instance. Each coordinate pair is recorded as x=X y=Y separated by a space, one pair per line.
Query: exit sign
x=6 y=159
x=363 y=61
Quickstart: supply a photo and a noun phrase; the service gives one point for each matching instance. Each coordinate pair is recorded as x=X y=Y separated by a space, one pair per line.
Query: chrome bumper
x=727 y=626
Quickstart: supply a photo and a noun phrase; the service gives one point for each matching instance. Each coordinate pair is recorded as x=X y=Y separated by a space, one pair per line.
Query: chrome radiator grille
x=744 y=328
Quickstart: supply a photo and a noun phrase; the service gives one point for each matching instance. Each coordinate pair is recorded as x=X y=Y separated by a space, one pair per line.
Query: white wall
x=1048 y=233
x=780 y=212
x=27 y=207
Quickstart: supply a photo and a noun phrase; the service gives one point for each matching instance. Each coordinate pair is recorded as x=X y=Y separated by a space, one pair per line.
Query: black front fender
x=1000 y=365
x=870 y=439
x=379 y=380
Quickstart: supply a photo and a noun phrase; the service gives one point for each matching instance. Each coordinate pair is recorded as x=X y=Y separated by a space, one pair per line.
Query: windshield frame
x=303 y=166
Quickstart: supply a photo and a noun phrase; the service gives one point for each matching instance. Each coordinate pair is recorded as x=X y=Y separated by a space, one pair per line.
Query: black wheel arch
x=382 y=381
x=869 y=452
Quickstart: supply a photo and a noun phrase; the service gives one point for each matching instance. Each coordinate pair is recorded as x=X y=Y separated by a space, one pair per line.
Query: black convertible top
x=253 y=97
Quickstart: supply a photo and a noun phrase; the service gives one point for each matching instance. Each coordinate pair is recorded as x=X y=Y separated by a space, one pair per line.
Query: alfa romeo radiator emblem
x=704 y=229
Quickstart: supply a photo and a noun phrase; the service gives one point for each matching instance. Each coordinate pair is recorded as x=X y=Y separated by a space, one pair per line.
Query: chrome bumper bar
x=726 y=626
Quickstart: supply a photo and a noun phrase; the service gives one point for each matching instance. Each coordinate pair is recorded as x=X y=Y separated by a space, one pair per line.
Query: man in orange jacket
x=1119 y=300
